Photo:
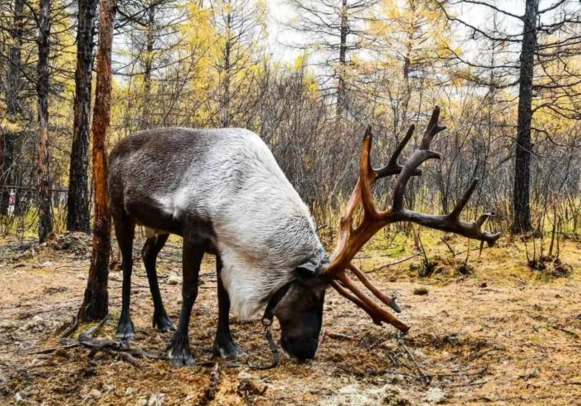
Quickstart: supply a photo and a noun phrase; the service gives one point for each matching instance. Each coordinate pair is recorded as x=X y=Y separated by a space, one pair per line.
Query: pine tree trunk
x=12 y=102
x=521 y=197
x=78 y=198
x=42 y=88
x=146 y=110
x=225 y=104
x=2 y=184
x=341 y=86
x=95 y=304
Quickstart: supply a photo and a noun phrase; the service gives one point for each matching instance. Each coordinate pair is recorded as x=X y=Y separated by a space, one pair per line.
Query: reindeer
x=222 y=191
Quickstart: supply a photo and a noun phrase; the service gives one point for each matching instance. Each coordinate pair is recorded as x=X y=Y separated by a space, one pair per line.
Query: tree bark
x=12 y=102
x=146 y=111
x=42 y=88
x=1 y=147
x=225 y=105
x=341 y=86
x=78 y=197
x=95 y=304
x=521 y=197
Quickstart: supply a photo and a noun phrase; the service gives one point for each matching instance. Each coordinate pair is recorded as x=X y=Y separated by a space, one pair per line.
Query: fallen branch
x=86 y=340
x=213 y=386
x=130 y=359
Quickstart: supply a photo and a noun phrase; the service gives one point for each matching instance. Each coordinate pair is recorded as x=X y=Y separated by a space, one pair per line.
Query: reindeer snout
x=300 y=348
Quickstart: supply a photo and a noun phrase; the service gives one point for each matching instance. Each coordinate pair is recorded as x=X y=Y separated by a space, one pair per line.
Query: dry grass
x=496 y=334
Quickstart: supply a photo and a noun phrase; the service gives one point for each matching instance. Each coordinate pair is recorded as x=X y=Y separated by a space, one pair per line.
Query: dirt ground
x=501 y=334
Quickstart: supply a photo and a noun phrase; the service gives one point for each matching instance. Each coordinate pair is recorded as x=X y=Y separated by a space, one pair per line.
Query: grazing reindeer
x=223 y=192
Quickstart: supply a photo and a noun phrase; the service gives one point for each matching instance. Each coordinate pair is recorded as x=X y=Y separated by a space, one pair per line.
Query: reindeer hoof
x=227 y=349
x=125 y=330
x=163 y=323
x=179 y=352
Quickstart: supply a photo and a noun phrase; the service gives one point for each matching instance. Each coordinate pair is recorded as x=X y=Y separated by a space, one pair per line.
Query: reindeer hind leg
x=125 y=231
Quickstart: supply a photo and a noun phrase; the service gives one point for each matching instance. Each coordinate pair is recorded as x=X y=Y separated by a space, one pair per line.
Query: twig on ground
x=449 y=247
x=479 y=372
x=74 y=267
x=393 y=263
x=426 y=379
x=74 y=325
x=339 y=336
x=564 y=330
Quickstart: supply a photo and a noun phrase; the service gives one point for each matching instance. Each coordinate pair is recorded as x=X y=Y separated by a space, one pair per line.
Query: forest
x=334 y=88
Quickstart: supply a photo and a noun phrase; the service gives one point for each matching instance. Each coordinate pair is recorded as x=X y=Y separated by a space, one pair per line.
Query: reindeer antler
x=352 y=238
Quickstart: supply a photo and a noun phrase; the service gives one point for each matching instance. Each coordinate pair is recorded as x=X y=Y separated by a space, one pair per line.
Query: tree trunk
x=42 y=87
x=146 y=111
x=521 y=198
x=1 y=144
x=12 y=102
x=95 y=304
x=341 y=86
x=78 y=197
x=225 y=104
x=2 y=184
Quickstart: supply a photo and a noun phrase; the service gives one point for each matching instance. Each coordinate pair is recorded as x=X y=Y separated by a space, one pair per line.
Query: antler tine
x=346 y=294
x=475 y=227
x=392 y=167
x=387 y=300
x=432 y=129
x=483 y=218
x=383 y=314
x=367 y=176
x=455 y=214
x=421 y=154
x=451 y=222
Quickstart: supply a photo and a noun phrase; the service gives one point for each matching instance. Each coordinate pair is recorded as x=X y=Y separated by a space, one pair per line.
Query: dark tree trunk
x=146 y=111
x=7 y=161
x=521 y=198
x=341 y=86
x=95 y=305
x=78 y=197
x=1 y=151
x=12 y=102
x=42 y=88
x=225 y=105
x=3 y=207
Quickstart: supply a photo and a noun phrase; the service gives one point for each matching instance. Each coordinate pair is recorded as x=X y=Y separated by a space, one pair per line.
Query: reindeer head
x=300 y=311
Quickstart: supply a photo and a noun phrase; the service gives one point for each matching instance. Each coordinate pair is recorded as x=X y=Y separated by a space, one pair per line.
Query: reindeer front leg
x=193 y=252
x=224 y=345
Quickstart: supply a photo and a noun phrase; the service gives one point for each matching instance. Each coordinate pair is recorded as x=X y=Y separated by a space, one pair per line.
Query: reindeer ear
x=309 y=269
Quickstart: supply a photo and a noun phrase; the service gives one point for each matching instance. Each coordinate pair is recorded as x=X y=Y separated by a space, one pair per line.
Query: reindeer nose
x=302 y=349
